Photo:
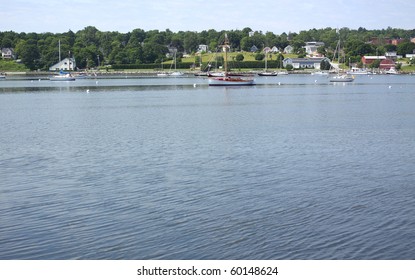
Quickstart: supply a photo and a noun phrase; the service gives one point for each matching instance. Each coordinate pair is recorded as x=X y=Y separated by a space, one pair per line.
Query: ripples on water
x=173 y=169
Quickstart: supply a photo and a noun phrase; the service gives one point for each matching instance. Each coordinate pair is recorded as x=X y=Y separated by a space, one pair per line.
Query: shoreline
x=135 y=74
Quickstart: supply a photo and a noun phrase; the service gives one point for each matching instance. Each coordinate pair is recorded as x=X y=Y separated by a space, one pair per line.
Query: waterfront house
x=172 y=51
x=202 y=48
x=7 y=53
x=387 y=64
x=369 y=59
x=67 y=64
x=288 y=49
x=275 y=49
x=391 y=55
x=305 y=63
x=311 y=47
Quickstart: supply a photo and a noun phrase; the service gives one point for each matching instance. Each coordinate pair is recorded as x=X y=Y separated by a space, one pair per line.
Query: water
x=168 y=168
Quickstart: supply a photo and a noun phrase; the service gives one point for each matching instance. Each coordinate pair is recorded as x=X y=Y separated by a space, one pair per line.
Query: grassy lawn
x=408 y=69
x=12 y=66
x=248 y=56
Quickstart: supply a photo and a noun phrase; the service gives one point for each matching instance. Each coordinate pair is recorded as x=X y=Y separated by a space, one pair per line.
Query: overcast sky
x=277 y=16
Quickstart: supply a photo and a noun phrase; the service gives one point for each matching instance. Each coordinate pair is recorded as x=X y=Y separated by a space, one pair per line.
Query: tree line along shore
x=154 y=50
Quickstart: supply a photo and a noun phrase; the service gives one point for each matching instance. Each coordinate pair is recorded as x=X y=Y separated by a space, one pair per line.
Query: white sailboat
x=226 y=79
x=63 y=76
x=175 y=73
x=266 y=72
x=340 y=77
x=358 y=71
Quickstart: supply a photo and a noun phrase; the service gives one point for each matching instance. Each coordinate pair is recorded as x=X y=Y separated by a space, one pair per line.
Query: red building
x=387 y=64
x=369 y=59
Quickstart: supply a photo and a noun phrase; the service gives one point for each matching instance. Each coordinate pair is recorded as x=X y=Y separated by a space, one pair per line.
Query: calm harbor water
x=168 y=168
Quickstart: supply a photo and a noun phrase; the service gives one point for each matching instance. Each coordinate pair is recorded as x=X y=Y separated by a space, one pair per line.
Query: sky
x=275 y=16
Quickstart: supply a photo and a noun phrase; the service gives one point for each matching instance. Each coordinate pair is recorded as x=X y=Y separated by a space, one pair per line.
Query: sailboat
x=227 y=79
x=175 y=72
x=162 y=73
x=340 y=77
x=265 y=72
x=62 y=76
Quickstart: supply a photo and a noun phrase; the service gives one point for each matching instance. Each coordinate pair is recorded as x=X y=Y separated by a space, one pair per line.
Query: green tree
x=322 y=50
x=280 y=59
x=259 y=56
x=28 y=52
x=325 y=65
x=405 y=48
x=239 y=57
x=6 y=43
x=190 y=42
x=375 y=64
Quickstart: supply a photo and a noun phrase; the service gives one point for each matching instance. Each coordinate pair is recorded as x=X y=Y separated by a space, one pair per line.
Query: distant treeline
x=92 y=47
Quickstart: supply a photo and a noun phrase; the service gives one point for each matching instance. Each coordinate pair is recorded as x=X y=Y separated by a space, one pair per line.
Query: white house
x=66 y=64
x=304 y=63
x=391 y=55
x=7 y=53
x=288 y=49
x=202 y=48
x=311 y=47
x=254 y=48
x=275 y=49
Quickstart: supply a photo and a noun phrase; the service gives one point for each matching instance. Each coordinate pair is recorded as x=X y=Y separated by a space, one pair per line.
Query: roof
x=387 y=62
x=4 y=50
x=374 y=57
x=318 y=44
x=307 y=60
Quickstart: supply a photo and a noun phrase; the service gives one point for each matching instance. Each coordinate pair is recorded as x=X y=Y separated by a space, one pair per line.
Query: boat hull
x=227 y=81
x=62 y=77
x=340 y=79
x=268 y=74
x=65 y=79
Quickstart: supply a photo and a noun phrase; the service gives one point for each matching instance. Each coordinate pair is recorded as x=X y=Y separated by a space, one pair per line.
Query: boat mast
x=225 y=49
x=175 y=60
x=266 y=57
